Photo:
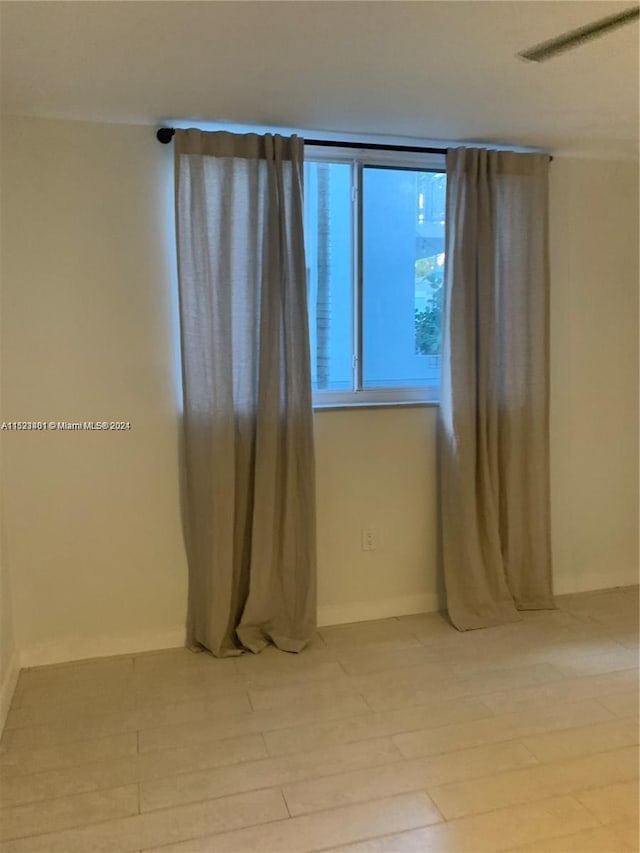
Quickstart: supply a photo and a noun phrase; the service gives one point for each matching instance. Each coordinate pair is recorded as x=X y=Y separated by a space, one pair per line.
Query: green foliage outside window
x=429 y=280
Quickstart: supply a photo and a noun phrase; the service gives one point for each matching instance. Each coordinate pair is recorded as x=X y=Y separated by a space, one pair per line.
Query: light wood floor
x=395 y=735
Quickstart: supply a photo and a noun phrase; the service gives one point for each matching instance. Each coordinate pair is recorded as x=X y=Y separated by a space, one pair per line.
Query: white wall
x=92 y=520
x=9 y=659
x=594 y=373
x=376 y=467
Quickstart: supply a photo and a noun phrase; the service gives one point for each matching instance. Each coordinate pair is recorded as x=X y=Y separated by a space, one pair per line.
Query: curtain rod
x=165 y=135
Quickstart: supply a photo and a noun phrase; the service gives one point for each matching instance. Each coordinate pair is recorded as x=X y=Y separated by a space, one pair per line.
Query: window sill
x=399 y=404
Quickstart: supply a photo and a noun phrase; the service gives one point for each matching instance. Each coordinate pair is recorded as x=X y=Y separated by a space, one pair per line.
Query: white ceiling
x=430 y=70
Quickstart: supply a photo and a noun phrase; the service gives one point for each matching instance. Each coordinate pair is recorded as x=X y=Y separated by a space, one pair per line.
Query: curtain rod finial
x=165 y=135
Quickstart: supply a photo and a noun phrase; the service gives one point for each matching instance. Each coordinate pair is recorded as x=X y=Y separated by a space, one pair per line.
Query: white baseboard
x=363 y=611
x=74 y=649
x=591 y=581
x=83 y=648
x=7 y=688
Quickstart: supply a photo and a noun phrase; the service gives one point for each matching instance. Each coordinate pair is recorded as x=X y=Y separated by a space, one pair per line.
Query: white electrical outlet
x=369 y=539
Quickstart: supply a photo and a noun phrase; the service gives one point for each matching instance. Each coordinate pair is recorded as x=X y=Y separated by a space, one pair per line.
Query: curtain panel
x=493 y=423
x=248 y=473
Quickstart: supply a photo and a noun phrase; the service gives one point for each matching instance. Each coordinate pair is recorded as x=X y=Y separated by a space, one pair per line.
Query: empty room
x=319 y=455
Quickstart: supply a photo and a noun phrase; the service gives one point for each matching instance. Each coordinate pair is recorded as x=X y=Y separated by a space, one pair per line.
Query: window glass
x=402 y=276
x=329 y=250
x=374 y=239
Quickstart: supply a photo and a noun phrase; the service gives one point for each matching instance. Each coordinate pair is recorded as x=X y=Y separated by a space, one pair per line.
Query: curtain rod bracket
x=165 y=135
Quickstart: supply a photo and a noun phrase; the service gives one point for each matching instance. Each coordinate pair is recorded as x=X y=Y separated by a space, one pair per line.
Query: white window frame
x=358 y=158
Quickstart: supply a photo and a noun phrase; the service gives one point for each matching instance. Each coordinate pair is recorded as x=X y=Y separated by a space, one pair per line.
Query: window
x=374 y=239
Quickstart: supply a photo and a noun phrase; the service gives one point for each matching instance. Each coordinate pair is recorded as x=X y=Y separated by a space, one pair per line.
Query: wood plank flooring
x=396 y=735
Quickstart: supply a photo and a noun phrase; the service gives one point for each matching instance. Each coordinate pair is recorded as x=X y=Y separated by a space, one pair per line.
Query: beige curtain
x=493 y=427
x=248 y=441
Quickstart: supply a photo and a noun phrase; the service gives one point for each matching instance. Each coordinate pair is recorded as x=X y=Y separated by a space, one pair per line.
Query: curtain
x=249 y=514
x=493 y=423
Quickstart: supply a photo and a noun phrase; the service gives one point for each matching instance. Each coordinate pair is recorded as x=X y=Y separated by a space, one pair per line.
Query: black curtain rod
x=376 y=146
x=165 y=135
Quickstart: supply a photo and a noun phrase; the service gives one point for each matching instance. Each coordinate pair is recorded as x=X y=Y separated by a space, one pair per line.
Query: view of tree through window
x=430 y=269
x=329 y=247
